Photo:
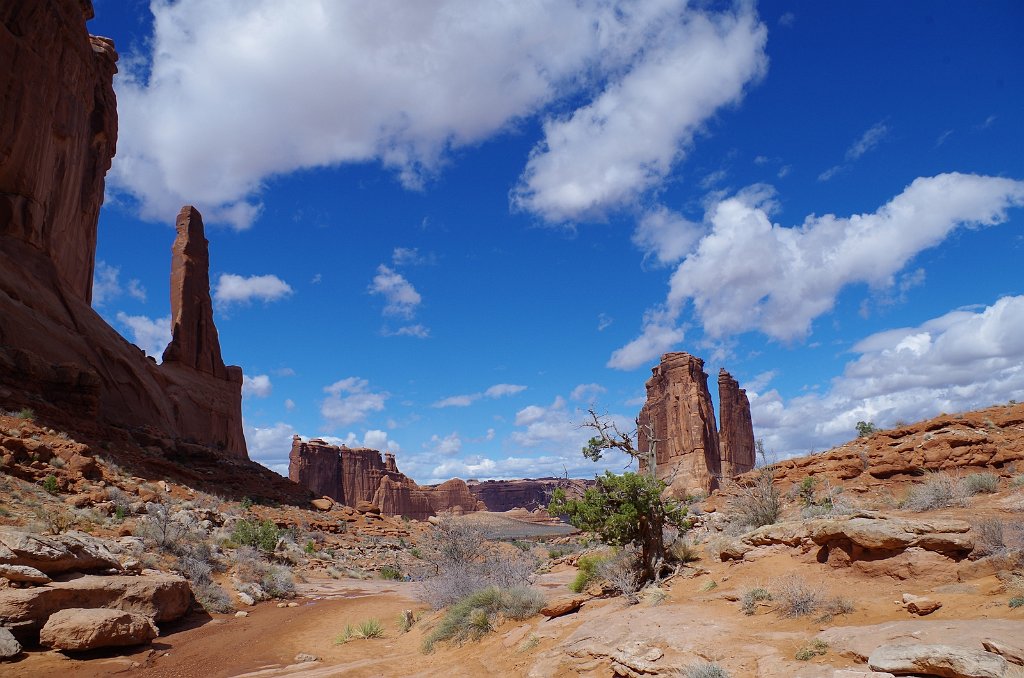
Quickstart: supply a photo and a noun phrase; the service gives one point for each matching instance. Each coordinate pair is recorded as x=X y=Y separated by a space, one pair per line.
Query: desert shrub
x=56 y=520
x=465 y=562
x=528 y=644
x=991 y=537
x=252 y=568
x=26 y=413
x=477 y=613
x=805 y=491
x=50 y=484
x=370 y=628
x=759 y=503
x=259 y=534
x=833 y=607
x=704 y=670
x=865 y=428
x=622 y=571
x=979 y=483
x=159 y=528
x=586 y=571
x=1017 y=601
x=709 y=586
x=795 y=597
x=939 y=490
x=406 y=620
x=388 y=572
x=680 y=548
x=1018 y=481
x=57 y=462
x=750 y=599
x=212 y=597
x=815 y=648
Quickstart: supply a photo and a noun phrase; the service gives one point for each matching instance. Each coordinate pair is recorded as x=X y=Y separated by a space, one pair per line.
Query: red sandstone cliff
x=680 y=409
x=57 y=136
x=736 y=434
x=351 y=476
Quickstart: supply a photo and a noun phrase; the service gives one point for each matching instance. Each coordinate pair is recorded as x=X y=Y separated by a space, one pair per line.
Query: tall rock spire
x=194 y=340
x=736 y=437
x=679 y=408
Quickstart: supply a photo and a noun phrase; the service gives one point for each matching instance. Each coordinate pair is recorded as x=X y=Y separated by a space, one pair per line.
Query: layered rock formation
x=683 y=418
x=691 y=454
x=57 y=356
x=736 y=434
x=530 y=494
x=354 y=476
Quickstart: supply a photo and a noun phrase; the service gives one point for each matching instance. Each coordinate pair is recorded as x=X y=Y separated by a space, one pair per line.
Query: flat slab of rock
x=562 y=605
x=78 y=629
x=947 y=661
x=53 y=554
x=162 y=597
x=858 y=642
x=23 y=574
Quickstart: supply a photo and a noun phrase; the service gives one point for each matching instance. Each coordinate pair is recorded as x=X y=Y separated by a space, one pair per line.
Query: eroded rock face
x=350 y=476
x=78 y=629
x=58 y=356
x=736 y=433
x=52 y=554
x=680 y=409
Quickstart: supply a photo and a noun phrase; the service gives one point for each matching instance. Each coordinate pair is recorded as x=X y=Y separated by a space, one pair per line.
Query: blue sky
x=447 y=228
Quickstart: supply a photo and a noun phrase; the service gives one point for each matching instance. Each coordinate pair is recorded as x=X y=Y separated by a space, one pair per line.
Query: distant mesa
x=691 y=454
x=360 y=476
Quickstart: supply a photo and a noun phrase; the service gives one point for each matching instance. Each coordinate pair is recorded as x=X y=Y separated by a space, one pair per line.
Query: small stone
x=9 y=646
x=282 y=604
x=293 y=604
x=245 y=598
x=241 y=613
x=303 y=657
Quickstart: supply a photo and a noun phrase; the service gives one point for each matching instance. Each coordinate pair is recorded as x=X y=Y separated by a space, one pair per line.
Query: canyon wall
x=351 y=476
x=691 y=454
x=58 y=357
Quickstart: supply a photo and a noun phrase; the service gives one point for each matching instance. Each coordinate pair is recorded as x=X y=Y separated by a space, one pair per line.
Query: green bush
x=865 y=428
x=752 y=597
x=371 y=628
x=1017 y=601
x=26 y=413
x=262 y=535
x=50 y=484
x=815 y=648
x=388 y=572
x=479 y=612
x=586 y=571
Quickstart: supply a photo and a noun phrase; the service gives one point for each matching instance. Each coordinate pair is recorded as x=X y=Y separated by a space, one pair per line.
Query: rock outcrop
x=58 y=356
x=691 y=454
x=680 y=411
x=736 y=431
x=353 y=476
x=530 y=493
x=78 y=629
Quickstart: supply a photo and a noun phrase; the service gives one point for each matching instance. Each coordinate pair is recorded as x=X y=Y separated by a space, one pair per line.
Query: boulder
x=23 y=574
x=858 y=642
x=52 y=554
x=9 y=645
x=78 y=629
x=322 y=504
x=163 y=597
x=1010 y=650
x=947 y=661
x=920 y=605
x=562 y=605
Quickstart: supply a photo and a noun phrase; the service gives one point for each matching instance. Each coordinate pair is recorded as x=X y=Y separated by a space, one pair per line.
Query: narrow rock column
x=736 y=436
x=194 y=340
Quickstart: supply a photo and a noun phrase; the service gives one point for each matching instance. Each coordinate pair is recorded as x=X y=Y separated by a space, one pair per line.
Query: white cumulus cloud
x=400 y=297
x=962 y=360
x=151 y=335
x=350 y=400
x=228 y=94
x=233 y=288
x=800 y=270
x=257 y=386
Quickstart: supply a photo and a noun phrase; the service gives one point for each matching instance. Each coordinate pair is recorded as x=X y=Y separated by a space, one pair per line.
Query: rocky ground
x=900 y=553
